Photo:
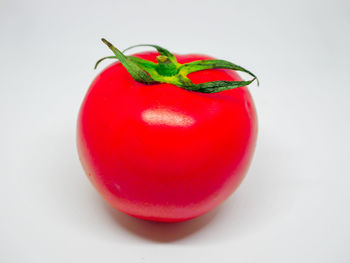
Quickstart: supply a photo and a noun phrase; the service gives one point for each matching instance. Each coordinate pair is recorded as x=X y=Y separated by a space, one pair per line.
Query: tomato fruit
x=162 y=152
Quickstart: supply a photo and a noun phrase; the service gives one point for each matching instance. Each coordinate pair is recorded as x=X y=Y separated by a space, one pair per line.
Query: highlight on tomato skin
x=162 y=152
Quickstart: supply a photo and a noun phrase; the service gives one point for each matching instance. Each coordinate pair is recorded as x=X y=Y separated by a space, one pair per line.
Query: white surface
x=293 y=205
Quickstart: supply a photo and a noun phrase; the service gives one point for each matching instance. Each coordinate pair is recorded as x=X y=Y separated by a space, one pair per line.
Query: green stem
x=135 y=71
x=168 y=70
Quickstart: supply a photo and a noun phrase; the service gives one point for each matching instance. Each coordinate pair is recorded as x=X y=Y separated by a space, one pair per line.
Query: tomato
x=160 y=152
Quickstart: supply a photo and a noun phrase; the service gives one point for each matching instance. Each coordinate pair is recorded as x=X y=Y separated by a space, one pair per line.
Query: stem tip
x=106 y=42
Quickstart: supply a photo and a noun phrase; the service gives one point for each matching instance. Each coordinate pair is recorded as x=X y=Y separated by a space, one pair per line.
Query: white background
x=292 y=207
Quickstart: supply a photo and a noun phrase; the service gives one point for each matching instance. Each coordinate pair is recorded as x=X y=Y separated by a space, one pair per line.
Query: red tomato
x=160 y=152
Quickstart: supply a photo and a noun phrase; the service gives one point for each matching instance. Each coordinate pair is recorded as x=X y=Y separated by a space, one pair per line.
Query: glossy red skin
x=162 y=153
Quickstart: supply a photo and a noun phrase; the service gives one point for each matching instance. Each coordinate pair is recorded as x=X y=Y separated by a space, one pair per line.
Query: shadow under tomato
x=159 y=231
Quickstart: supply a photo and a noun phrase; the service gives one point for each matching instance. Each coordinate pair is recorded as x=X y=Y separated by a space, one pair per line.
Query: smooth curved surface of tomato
x=160 y=152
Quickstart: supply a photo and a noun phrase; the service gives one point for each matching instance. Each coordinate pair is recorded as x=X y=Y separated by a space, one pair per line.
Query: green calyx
x=168 y=70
